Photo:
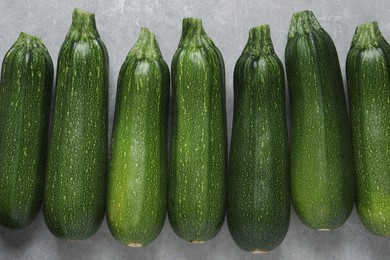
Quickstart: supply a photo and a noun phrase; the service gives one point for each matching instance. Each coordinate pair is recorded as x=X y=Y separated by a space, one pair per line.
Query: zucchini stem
x=259 y=41
x=303 y=22
x=193 y=33
x=83 y=26
x=367 y=35
x=146 y=46
x=30 y=41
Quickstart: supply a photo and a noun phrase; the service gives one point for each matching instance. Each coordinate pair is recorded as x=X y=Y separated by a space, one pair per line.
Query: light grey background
x=227 y=23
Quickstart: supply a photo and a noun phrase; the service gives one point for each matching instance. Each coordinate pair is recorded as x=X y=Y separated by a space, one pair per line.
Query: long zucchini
x=258 y=209
x=368 y=74
x=74 y=199
x=137 y=191
x=25 y=91
x=196 y=204
x=322 y=175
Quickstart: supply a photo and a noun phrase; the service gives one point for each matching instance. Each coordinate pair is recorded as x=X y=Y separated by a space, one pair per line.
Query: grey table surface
x=227 y=23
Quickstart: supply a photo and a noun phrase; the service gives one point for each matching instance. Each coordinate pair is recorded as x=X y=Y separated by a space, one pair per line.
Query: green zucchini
x=198 y=161
x=322 y=175
x=25 y=91
x=137 y=192
x=258 y=209
x=368 y=75
x=75 y=184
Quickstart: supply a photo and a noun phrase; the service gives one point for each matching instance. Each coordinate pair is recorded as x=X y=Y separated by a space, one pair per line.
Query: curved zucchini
x=75 y=184
x=137 y=192
x=322 y=177
x=25 y=91
x=368 y=74
x=196 y=200
x=258 y=210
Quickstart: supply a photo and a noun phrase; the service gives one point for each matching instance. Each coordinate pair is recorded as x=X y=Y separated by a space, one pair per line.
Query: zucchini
x=197 y=185
x=75 y=184
x=25 y=91
x=137 y=191
x=322 y=175
x=368 y=76
x=258 y=209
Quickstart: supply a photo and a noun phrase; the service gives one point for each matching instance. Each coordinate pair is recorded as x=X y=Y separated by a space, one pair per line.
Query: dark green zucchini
x=137 y=191
x=368 y=75
x=322 y=174
x=258 y=209
x=25 y=91
x=75 y=184
x=196 y=204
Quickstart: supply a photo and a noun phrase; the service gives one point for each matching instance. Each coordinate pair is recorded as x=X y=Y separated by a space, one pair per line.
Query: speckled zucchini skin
x=196 y=204
x=137 y=189
x=368 y=74
x=258 y=211
x=322 y=175
x=74 y=199
x=25 y=89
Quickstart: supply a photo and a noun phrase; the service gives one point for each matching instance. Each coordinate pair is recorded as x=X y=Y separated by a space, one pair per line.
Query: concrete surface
x=227 y=23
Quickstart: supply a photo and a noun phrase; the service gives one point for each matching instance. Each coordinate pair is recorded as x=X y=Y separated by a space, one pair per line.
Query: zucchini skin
x=198 y=161
x=75 y=184
x=137 y=181
x=25 y=91
x=258 y=209
x=322 y=174
x=368 y=76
